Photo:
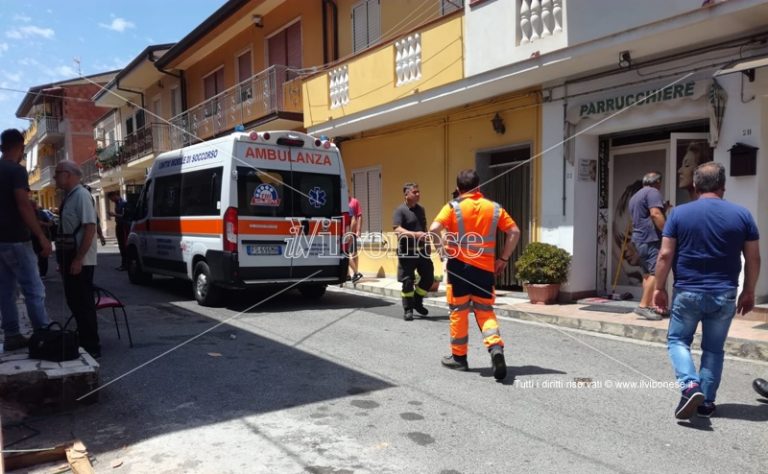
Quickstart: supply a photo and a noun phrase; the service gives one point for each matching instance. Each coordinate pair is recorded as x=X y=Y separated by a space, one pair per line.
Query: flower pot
x=542 y=293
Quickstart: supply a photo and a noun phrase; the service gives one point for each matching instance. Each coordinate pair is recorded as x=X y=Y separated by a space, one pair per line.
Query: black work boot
x=408 y=308
x=455 y=362
x=497 y=362
x=418 y=305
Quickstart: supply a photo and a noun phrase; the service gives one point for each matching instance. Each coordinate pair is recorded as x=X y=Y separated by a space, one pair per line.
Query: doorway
x=508 y=174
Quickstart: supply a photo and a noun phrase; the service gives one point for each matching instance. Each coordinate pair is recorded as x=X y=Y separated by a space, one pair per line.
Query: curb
x=744 y=348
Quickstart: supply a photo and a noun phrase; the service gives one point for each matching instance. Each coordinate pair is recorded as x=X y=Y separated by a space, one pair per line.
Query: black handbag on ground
x=54 y=344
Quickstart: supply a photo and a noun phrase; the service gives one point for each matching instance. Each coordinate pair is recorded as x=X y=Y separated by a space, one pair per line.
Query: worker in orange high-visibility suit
x=471 y=222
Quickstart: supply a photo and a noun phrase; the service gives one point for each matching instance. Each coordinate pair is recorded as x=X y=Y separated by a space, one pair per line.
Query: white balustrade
x=338 y=83
x=539 y=19
x=408 y=59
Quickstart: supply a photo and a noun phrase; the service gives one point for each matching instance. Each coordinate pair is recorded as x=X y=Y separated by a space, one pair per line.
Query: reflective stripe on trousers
x=484 y=315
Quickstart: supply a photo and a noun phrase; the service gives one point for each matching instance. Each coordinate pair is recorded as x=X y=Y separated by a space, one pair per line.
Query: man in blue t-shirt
x=647 y=210
x=703 y=242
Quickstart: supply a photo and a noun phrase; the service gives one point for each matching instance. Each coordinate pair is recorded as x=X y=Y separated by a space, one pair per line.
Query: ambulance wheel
x=206 y=293
x=312 y=292
x=136 y=274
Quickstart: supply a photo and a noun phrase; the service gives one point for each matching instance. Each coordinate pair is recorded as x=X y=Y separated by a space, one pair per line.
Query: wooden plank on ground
x=77 y=457
x=22 y=460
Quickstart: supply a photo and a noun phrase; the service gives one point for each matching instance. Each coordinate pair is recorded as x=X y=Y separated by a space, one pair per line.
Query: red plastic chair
x=107 y=299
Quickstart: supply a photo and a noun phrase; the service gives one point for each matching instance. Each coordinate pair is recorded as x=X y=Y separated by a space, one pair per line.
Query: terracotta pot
x=542 y=293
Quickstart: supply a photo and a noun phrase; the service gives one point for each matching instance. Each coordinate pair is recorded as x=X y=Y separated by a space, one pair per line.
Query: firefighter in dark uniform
x=410 y=225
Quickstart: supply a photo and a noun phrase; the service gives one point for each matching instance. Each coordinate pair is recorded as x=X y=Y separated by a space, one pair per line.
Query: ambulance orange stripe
x=216 y=227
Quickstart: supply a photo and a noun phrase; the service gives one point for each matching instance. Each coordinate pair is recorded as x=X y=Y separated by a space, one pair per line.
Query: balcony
x=44 y=178
x=424 y=59
x=90 y=172
x=49 y=130
x=272 y=96
x=147 y=142
x=109 y=157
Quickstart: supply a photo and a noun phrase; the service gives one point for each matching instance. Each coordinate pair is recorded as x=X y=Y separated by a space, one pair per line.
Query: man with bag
x=76 y=252
x=18 y=262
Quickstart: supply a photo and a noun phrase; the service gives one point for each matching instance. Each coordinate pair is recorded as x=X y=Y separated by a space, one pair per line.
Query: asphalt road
x=345 y=385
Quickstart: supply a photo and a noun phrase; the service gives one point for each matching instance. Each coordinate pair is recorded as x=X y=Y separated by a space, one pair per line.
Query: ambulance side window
x=141 y=203
x=201 y=192
x=263 y=194
x=167 y=196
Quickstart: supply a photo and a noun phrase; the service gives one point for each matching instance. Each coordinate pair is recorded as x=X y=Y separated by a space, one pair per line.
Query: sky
x=40 y=39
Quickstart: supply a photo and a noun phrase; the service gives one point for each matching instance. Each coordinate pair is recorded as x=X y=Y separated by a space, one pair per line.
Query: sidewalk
x=748 y=337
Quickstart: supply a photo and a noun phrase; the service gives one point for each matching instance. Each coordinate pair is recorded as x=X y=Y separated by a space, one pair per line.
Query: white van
x=260 y=208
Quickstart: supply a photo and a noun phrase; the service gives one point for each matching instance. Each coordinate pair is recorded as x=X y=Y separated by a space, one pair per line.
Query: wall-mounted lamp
x=625 y=60
x=498 y=124
x=258 y=21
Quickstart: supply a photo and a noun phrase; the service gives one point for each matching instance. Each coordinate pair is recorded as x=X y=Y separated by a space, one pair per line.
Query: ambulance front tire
x=312 y=292
x=136 y=274
x=206 y=293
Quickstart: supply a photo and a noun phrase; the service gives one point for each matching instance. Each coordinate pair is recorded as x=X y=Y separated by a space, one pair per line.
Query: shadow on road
x=226 y=374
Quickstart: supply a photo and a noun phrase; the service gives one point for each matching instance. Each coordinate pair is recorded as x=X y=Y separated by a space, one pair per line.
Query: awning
x=746 y=66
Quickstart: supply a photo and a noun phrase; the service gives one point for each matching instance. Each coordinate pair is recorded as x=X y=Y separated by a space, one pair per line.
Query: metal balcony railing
x=48 y=125
x=110 y=156
x=153 y=139
x=261 y=95
x=90 y=171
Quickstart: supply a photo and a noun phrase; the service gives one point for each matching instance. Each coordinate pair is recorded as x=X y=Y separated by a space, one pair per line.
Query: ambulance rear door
x=264 y=209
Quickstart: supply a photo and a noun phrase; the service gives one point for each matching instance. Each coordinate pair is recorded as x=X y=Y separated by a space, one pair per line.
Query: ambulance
x=244 y=210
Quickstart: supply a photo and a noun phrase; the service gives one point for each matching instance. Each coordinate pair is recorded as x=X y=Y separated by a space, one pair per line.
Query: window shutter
x=276 y=49
x=374 y=200
x=293 y=45
x=359 y=27
x=374 y=22
x=244 y=69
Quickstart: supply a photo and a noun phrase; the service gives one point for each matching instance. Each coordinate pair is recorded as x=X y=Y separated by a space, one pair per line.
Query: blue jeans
x=18 y=264
x=715 y=310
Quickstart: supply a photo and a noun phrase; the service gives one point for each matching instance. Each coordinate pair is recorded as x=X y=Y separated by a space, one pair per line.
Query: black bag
x=54 y=344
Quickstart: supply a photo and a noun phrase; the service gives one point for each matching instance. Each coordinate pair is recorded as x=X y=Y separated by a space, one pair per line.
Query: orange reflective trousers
x=484 y=315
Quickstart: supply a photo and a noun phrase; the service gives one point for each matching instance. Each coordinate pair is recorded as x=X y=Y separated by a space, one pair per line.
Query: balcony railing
x=153 y=139
x=90 y=171
x=46 y=175
x=266 y=93
x=110 y=156
x=48 y=128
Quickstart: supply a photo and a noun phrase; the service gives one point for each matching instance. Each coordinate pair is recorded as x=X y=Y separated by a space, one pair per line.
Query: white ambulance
x=259 y=208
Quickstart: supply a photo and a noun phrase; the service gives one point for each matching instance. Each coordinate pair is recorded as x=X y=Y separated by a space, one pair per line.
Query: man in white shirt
x=76 y=252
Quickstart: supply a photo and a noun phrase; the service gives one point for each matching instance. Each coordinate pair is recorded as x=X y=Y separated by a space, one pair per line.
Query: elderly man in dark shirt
x=410 y=225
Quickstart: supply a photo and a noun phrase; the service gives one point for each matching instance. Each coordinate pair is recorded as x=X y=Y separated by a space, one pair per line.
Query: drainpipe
x=179 y=76
x=325 y=31
x=335 y=18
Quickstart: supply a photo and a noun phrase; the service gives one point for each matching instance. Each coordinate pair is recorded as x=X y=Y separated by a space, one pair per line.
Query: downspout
x=325 y=31
x=335 y=29
x=179 y=76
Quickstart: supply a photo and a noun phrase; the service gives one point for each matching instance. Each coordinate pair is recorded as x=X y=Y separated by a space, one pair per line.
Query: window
x=213 y=84
x=175 y=101
x=141 y=204
x=366 y=27
x=201 y=192
x=129 y=126
x=366 y=184
x=139 y=120
x=262 y=193
x=284 y=47
x=320 y=195
x=244 y=73
x=167 y=196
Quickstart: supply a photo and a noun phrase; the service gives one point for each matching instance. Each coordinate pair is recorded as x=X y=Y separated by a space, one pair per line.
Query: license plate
x=264 y=250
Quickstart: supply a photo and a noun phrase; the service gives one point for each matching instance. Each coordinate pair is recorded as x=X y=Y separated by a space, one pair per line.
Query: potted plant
x=543 y=267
